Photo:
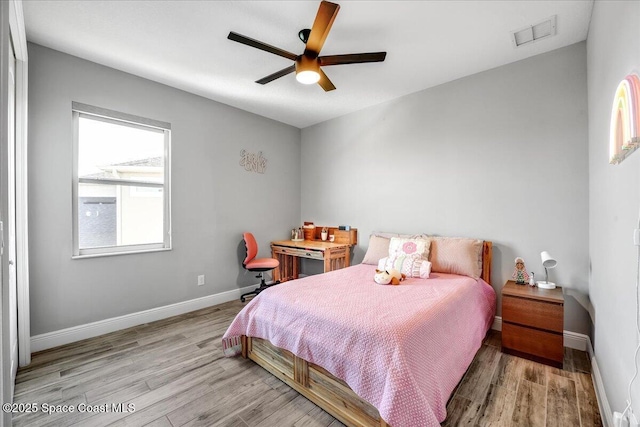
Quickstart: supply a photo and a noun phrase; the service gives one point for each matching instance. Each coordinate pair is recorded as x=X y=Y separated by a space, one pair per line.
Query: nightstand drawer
x=528 y=312
x=527 y=341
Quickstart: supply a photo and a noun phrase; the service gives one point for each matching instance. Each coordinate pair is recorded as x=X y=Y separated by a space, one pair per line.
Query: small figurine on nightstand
x=520 y=274
x=532 y=282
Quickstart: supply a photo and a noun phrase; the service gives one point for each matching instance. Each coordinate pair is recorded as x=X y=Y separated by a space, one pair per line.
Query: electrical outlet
x=201 y=280
x=636 y=236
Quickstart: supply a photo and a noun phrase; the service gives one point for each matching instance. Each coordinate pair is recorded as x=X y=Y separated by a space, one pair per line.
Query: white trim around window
x=161 y=182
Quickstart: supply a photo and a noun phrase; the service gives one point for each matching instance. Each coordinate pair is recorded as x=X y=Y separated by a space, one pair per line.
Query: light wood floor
x=174 y=372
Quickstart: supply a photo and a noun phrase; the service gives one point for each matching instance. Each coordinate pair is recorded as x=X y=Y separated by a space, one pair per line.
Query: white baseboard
x=603 y=402
x=94 y=329
x=576 y=340
x=598 y=384
x=571 y=339
x=497 y=323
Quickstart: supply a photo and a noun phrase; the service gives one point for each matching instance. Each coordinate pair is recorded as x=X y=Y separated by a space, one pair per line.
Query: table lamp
x=547 y=262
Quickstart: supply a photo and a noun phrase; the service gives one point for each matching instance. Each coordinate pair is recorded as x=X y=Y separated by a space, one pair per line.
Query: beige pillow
x=456 y=255
x=378 y=249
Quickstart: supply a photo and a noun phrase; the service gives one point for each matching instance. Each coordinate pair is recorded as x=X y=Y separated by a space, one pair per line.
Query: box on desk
x=345 y=236
x=349 y=237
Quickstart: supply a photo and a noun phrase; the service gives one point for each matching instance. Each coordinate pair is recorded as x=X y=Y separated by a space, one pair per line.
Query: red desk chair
x=251 y=263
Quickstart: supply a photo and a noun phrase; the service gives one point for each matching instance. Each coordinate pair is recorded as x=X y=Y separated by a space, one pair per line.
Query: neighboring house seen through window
x=121 y=183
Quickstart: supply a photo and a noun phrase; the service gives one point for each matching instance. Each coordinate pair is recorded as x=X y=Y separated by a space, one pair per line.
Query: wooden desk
x=288 y=253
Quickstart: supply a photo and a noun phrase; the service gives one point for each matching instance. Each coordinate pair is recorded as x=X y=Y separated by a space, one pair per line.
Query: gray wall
x=214 y=199
x=613 y=51
x=500 y=155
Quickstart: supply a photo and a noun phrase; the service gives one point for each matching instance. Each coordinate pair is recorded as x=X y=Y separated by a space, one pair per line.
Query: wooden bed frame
x=319 y=386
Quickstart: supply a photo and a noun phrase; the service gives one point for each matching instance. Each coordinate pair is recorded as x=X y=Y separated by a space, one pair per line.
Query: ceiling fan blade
x=324 y=20
x=325 y=83
x=260 y=45
x=352 y=58
x=277 y=75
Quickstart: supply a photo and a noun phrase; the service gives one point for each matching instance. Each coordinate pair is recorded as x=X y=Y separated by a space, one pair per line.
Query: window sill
x=140 y=251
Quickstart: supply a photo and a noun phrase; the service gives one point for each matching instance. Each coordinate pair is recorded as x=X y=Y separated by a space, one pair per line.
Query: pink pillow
x=456 y=255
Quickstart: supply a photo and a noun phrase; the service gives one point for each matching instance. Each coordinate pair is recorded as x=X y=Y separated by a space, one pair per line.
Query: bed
x=368 y=354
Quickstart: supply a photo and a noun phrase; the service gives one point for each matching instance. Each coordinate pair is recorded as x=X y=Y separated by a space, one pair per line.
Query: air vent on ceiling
x=534 y=32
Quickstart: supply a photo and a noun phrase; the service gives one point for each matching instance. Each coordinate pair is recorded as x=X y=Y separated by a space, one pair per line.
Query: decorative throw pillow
x=409 y=247
x=457 y=255
x=378 y=248
x=405 y=254
x=410 y=267
x=379 y=245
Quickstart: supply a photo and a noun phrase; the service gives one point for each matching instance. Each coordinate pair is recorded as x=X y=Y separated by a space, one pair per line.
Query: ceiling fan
x=307 y=65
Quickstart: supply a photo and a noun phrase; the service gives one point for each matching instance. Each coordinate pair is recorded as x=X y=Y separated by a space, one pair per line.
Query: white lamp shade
x=547 y=260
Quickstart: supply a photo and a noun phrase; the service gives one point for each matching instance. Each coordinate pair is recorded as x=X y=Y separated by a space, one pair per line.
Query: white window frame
x=123 y=119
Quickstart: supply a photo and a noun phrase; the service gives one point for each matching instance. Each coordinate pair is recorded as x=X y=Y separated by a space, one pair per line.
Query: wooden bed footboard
x=313 y=382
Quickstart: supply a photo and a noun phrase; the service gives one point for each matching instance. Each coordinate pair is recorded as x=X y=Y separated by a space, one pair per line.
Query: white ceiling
x=184 y=44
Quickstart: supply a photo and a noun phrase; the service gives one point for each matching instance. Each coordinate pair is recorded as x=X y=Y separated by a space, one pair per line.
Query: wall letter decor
x=253 y=162
x=625 y=120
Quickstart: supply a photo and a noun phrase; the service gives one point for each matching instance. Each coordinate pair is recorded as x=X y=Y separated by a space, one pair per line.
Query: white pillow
x=410 y=267
x=409 y=247
x=379 y=245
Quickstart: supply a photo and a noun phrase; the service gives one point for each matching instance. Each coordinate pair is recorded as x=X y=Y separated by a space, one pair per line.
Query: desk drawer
x=528 y=312
x=300 y=252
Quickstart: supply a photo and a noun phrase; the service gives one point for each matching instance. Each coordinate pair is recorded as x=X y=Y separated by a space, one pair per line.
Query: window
x=121 y=197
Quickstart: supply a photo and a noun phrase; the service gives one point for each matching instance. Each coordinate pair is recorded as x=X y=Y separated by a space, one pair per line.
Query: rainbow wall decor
x=625 y=120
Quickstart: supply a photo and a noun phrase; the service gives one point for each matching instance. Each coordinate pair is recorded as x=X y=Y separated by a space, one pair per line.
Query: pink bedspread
x=401 y=348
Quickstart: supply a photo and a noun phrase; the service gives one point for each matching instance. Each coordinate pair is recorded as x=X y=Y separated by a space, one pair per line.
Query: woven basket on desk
x=309 y=233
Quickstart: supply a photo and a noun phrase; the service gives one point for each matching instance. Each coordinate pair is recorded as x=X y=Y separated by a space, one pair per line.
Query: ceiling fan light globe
x=308 y=77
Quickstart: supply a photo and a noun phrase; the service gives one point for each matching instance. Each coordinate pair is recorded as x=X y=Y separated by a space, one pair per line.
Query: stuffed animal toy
x=388 y=277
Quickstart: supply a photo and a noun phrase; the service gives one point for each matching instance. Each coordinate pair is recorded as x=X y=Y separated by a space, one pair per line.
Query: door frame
x=18 y=34
x=10 y=243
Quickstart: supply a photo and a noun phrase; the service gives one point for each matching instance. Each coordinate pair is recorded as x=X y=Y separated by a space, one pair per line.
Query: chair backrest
x=252 y=247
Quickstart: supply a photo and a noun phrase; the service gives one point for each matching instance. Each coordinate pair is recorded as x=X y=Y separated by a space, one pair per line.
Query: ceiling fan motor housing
x=307 y=69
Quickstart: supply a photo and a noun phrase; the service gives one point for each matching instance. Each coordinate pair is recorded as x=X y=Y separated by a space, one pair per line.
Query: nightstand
x=533 y=323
